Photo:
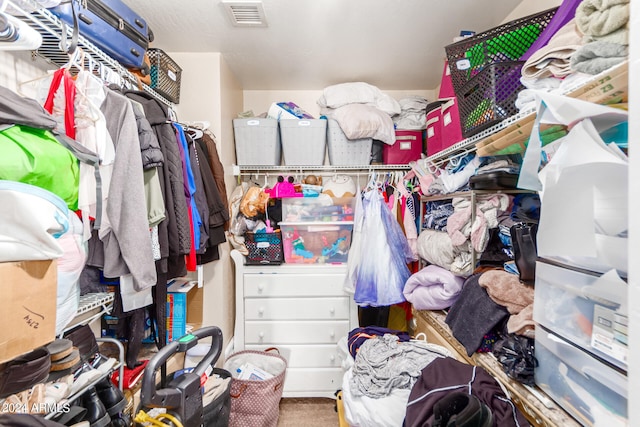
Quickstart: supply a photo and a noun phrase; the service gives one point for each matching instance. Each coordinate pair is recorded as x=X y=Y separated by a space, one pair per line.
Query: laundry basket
x=346 y=152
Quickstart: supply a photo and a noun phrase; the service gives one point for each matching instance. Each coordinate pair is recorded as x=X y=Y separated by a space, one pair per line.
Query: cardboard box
x=27 y=307
x=177 y=307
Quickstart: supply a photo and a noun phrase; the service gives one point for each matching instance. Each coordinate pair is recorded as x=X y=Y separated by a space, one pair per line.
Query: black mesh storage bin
x=507 y=42
x=165 y=75
x=264 y=248
x=489 y=97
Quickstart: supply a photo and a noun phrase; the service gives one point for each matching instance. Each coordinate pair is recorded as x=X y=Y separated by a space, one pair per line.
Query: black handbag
x=523 y=239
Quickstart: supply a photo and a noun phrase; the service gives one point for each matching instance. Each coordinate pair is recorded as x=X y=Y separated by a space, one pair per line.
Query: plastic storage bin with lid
x=316 y=242
x=318 y=209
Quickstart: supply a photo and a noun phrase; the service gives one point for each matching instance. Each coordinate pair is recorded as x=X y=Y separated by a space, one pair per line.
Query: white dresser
x=303 y=311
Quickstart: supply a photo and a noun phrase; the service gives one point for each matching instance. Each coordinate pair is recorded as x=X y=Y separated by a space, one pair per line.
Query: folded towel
x=593 y=58
x=601 y=17
x=553 y=59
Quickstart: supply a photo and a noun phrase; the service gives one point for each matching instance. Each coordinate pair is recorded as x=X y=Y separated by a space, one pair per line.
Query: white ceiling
x=311 y=44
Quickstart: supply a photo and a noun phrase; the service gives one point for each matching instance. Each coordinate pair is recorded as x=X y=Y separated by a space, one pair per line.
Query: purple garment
x=565 y=13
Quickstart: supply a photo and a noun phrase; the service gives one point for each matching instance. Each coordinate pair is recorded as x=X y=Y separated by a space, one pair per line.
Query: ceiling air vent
x=246 y=13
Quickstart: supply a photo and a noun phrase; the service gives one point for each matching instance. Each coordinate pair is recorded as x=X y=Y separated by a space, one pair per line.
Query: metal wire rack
x=53 y=31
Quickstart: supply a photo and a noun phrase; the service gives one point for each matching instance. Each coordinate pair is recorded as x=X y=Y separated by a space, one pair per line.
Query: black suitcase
x=112 y=26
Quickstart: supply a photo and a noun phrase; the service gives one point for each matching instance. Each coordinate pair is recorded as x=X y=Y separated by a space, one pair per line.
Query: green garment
x=34 y=156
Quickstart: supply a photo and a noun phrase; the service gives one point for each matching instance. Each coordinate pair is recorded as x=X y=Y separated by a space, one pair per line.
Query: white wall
x=529 y=7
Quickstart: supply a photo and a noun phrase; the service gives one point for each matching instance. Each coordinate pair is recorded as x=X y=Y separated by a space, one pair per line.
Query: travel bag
x=112 y=26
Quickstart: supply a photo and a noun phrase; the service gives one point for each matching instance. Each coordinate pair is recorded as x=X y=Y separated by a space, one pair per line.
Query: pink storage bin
x=434 y=131
x=446 y=85
x=450 y=124
x=407 y=148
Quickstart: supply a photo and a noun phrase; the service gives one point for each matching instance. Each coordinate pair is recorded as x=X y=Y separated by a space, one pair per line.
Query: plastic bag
x=383 y=270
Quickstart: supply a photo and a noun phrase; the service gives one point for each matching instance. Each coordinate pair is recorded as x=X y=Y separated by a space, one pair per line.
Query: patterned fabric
x=256 y=403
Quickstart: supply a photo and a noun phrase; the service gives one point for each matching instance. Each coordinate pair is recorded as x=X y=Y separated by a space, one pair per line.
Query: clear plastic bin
x=591 y=391
x=586 y=308
x=318 y=209
x=316 y=243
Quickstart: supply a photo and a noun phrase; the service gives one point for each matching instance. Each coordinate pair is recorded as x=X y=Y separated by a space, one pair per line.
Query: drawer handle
x=332 y=358
x=261 y=335
x=261 y=311
x=260 y=288
x=332 y=310
x=332 y=334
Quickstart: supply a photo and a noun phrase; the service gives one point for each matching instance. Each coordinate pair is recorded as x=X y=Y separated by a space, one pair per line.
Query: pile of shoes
x=69 y=380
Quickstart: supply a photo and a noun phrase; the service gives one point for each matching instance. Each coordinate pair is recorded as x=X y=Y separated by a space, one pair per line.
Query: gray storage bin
x=303 y=141
x=346 y=152
x=257 y=142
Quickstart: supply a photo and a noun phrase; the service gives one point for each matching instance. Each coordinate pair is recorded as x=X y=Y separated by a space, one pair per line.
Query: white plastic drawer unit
x=594 y=392
x=300 y=285
x=588 y=309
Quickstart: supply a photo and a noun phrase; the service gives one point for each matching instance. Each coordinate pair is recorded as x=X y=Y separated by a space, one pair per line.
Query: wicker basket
x=505 y=43
x=165 y=75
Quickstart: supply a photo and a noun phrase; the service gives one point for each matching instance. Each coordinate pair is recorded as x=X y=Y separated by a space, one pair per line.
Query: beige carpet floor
x=308 y=412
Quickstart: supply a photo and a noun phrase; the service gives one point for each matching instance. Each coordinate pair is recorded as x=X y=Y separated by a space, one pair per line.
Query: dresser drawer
x=313 y=380
x=302 y=332
x=307 y=356
x=286 y=285
x=296 y=308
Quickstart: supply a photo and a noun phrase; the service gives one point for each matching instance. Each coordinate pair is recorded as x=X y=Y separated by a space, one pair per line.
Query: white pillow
x=342 y=94
x=363 y=121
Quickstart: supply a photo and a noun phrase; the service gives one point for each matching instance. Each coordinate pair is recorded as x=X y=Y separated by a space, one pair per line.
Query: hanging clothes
x=382 y=271
x=174 y=234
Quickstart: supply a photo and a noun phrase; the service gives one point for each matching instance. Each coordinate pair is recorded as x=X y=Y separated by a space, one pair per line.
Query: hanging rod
x=364 y=169
x=50 y=28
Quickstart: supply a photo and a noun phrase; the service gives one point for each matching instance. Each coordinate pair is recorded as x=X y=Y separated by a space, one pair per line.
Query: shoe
x=84 y=376
x=96 y=412
x=111 y=396
x=461 y=410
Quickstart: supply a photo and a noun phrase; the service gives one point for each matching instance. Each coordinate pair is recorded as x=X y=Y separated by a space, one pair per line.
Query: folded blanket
x=435 y=247
x=553 y=59
x=602 y=17
x=593 y=58
x=432 y=288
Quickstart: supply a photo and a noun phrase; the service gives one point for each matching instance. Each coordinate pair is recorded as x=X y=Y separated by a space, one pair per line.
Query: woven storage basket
x=257 y=142
x=303 y=141
x=507 y=42
x=165 y=74
x=346 y=152
x=264 y=248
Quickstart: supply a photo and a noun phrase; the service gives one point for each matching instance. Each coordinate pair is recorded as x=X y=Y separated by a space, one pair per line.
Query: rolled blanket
x=602 y=17
x=596 y=57
x=432 y=288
